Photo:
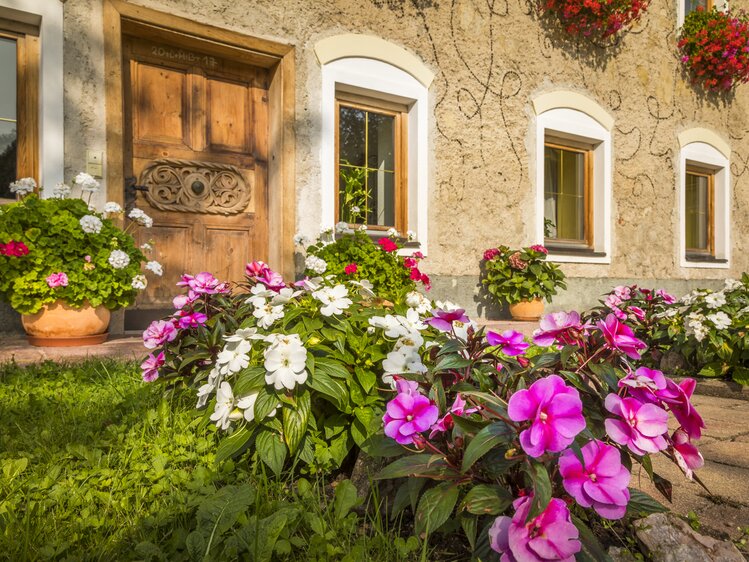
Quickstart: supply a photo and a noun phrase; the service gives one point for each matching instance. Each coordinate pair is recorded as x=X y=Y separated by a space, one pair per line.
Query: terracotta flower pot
x=60 y=325
x=528 y=311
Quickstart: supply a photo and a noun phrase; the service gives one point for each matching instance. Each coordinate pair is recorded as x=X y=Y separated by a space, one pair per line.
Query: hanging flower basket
x=714 y=48
x=595 y=19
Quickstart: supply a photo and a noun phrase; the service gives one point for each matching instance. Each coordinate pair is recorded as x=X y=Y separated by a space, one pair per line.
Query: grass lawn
x=97 y=465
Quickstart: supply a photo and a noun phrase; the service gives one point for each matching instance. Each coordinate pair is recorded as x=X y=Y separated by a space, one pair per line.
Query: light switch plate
x=95 y=163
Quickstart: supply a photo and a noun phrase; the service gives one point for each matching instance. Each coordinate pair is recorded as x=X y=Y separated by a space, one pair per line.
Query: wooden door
x=197 y=136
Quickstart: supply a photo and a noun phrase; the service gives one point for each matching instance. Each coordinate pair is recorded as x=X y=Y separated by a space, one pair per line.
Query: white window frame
x=49 y=16
x=704 y=155
x=565 y=123
x=378 y=80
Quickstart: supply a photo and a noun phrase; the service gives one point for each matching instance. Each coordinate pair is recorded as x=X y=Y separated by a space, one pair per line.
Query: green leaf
x=266 y=402
x=452 y=362
x=486 y=439
x=541 y=489
x=14 y=467
x=486 y=499
x=345 y=498
x=470 y=528
x=332 y=367
x=641 y=504
x=250 y=380
x=592 y=550
x=420 y=465
x=740 y=375
x=435 y=507
x=333 y=390
x=272 y=450
x=219 y=511
x=233 y=444
x=295 y=421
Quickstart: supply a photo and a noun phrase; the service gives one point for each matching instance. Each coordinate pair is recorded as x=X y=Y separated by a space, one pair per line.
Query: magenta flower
x=181 y=301
x=260 y=272
x=443 y=320
x=687 y=456
x=57 y=280
x=558 y=327
x=644 y=384
x=491 y=253
x=192 y=320
x=158 y=333
x=555 y=412
x=637 y=312
x=511 y=342
x=623 y=292
x=667 y=297
x=601 y=482
x=151 y=366
x=540 y=248
x=407 y=416
x=678 y=398
x=642 y=425
x=203 y=284
x=550 y=536
x=404 y=386
x=620 y=337
x=446 y=422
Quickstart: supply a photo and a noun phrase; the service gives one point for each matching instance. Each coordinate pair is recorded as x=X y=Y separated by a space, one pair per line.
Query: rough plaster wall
x=490 y=58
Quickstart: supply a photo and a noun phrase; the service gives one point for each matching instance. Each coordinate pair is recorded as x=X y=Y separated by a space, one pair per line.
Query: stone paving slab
x=17 y=349
x=525 y=328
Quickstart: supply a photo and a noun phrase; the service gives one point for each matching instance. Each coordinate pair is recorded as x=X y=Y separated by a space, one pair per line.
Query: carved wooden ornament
x=190 y=186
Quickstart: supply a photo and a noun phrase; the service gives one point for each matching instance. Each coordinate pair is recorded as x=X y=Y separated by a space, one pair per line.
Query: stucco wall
x=490 y=59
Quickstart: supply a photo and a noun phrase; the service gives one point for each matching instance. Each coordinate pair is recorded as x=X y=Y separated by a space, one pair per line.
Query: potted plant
x=521 y=278
x=714 y=48
x=595 y=19
x=65 y=266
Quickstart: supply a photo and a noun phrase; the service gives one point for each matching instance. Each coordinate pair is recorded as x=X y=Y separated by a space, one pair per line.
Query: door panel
x=198 y=145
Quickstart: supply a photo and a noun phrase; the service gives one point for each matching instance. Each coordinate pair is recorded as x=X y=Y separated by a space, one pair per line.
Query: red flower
x=350 y=269
x=409 y=263
x=539 y=248
x=387 y=244
x=14 y=248
x=491 y=253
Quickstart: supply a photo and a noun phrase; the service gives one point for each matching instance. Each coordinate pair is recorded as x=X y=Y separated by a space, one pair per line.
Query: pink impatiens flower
x=446 y=422
x=408 y=415
x=260 y=272
x=203 y=284
x=151 y=366
x=641 y=428
x=678 y=399
x=181 y=301
x=443 y=320
x=555 y=412
x=158 y=333
x=686 y=454
x=192 y=320
x=510 y=342
x=620 y=337
x=558 y=327
x=601 y=482
x=550 y=536
x=57 y=280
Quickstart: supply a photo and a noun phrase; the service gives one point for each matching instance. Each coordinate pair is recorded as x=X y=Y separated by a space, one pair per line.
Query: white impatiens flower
x=418 y=302
x=318 y=265
x=244 y=334
x=140 y=217
x=720 y=320
x=285 y=361
x=146 y=247
x=234 y=357
x=733 y=284
x=23 y=186
x=139 y=282
x=267 y=314
x=247 y=405
x=398 y=326
x=90 y=224
x=284 y=295
x=694 y=324
x=155 y=268
x=334 y=300
x=225 y=413
x=61 y=191
x=86 y=182
x=205 y=391
x=112 y=208
x=365 y=288
x=715 y=300
x=403 y=360
x=118 y=259
x=260 y=294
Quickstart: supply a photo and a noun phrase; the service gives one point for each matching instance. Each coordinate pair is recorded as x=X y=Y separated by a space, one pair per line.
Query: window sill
x=560 y=250
x=703 y=258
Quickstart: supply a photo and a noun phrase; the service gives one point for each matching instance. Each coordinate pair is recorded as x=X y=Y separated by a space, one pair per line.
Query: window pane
x=351 y=136
x=564 y=194
x=8 y=128
x=381 y=141
x=697 y=212
x=352 y=196
x=691 y=5
x=381 y=203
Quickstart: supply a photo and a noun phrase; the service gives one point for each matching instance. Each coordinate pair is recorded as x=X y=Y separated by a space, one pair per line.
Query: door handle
x=131 y=185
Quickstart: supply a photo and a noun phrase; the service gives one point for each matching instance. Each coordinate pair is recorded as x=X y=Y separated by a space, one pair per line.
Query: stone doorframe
x=121 y=16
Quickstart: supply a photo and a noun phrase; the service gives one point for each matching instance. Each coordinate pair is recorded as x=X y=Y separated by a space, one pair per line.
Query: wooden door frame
x=120 y=15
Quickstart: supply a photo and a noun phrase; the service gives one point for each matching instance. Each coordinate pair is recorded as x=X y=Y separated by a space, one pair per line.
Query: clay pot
x=528 y=311
x=60 y=325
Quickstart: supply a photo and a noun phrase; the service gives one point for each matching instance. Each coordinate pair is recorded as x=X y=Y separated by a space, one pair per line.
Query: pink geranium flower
x=641 y=427
x=555 y=412
x=550 y=536
x=686 y=454
x=442 y=320
x=158 y=333
x=539 y=248
x=57 y=280
x=491 y=253
x=620 y=337
x=151 y=366
x=559 y=327
x=599 y=482
x=192 y=320
x=408 y=415
x=510 y=342
x=446 y=422
x=350 y=269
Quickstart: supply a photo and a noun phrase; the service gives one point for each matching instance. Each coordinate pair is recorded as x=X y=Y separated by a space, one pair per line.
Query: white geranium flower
x=301 y=240
x=318 y=265
x=90 y=224
x=234 y=357
x=411 y=235
x=146 y=247
x=715 y=300
x=267 y=314
x=355 y=209
x=155 y=268
x=86 y=182
x=720 y=320
x=224 y=412
x=22 y=187
x=363 y=228
x=341 y=227
x=733 y=284
x=418 y=302
x=393 y=233
x=141 y=218
x=139 y=282
x=334 y=300
x=285 y=361
x=118 y=259
x=112 y=208
x=61 y=191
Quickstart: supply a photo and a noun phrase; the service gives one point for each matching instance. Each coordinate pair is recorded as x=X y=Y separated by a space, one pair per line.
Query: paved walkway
x=16 y=348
